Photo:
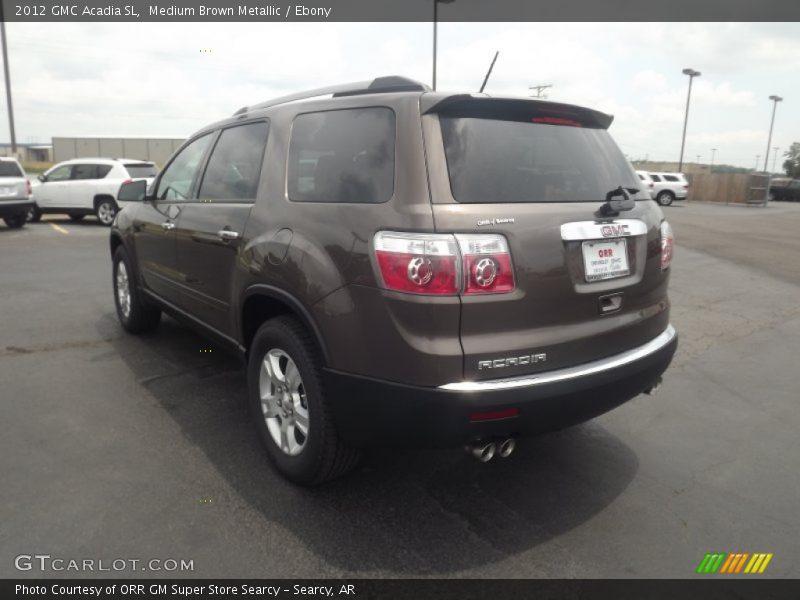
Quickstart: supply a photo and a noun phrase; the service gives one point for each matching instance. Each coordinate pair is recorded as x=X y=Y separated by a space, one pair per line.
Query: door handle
x=227 y=234
x=167 y=226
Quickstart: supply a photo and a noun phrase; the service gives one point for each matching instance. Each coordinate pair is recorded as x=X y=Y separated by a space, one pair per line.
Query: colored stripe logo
x=736 y=562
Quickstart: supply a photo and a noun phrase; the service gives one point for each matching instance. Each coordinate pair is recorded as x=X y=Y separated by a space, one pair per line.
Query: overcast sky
x=76 y=79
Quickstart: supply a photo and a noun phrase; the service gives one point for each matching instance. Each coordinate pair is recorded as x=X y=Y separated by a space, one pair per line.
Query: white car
x=86 y=186
x=647 y=183
x=669 y=187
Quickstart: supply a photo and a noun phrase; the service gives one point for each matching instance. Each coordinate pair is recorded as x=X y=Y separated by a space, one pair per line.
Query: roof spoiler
x=379 y=85
x=514 y=109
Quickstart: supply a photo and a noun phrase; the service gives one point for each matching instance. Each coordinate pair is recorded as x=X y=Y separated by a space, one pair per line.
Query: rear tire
x=34 y=215
x=135 y=315
x=665 y=198
x=16 y=221
x=106 y=210
x=76 y=218
x=285 y=396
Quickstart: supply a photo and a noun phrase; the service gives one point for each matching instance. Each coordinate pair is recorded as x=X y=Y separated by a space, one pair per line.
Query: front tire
x=135 y=315
x=665 y=198
x=16 y=221
x=289 y=406
x=106 y=210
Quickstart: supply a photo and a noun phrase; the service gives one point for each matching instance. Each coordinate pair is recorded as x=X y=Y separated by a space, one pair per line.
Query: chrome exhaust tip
x=653 y=389
x=484 y=452
x=506 y=447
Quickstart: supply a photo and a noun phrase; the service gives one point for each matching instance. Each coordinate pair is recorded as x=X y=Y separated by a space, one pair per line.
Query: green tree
x=792 y=163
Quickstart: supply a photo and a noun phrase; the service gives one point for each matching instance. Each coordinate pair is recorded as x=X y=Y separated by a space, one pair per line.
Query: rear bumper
x=14 y=207
x=372 y=412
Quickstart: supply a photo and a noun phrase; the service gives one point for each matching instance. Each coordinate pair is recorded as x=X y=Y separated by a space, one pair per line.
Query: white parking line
x=58 y=228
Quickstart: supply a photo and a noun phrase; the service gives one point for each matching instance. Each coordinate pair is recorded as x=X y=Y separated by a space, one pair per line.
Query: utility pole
x=692 y=74
x=540 y=90
x=435 y=31
x=775 y=100
x=713 y=152
x=758 y=156
x=8 y=91
x=698 y=159
x=775 y=158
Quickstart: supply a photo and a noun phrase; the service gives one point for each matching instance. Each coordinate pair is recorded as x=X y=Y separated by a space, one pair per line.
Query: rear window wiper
x=617 y=200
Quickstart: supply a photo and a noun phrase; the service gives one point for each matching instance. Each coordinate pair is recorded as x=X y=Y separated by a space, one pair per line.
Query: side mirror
x=133 y=191
x=41 y=178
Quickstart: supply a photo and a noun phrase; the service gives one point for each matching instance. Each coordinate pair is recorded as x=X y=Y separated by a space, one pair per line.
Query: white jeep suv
x=668 y=187
x=86 y=186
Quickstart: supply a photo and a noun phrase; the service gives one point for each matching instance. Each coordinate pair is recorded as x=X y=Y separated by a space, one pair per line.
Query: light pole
x=698 y=159
x=774 y=158
x=8 y=92
x=713 y=152
x=756 y=167
x=692 y=74
x=775 y=100
x=435 y=28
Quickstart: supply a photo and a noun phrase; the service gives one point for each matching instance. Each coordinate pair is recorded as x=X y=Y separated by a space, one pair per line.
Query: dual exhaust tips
x=486 y=451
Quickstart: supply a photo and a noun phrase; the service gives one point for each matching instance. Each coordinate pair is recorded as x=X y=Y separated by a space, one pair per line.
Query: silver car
x=15 y=193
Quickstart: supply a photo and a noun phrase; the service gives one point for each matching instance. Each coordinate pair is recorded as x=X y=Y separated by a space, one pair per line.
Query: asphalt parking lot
x=115 y=446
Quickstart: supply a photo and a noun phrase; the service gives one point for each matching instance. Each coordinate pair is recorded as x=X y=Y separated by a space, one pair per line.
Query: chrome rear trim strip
x=591 y=368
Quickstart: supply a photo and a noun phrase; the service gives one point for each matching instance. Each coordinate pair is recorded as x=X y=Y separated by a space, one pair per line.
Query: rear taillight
x=424 y=263
x=444 y=264
x=667 y=243
x=28 y=186
x=487 y=264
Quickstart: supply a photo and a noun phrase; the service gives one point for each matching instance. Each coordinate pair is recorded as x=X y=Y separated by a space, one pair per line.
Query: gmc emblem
x=614 y=230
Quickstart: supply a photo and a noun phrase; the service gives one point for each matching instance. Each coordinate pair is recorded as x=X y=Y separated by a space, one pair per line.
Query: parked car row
x=665 y=188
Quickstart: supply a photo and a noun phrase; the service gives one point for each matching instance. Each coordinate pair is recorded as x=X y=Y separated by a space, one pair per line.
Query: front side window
x=176 y=180
x=89 y=171
x=655 y=177
x=234 y=168
x=342 y=156
x=60 y=173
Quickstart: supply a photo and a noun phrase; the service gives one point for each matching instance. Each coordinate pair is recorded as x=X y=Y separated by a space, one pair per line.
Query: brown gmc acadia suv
x=394 y=264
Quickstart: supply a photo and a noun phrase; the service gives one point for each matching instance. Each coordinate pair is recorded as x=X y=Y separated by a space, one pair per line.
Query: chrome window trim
x=591 y=368
x=591 y=230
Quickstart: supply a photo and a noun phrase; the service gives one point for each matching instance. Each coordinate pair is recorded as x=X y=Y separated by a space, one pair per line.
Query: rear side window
x=90 y=171
x=137 y=170
x=342 y=156
x=10 y=169
x=655 y=177
x=671 y=178
x=499 y=161
x=235 y=165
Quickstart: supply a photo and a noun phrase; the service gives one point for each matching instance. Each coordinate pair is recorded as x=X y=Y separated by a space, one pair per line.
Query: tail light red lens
x=444 y=264
x=667 y=244
x=417 y=262
x=487 y=264
x=30 y=189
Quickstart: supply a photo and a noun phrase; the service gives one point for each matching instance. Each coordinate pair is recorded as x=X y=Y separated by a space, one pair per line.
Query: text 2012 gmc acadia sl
x=397 y=264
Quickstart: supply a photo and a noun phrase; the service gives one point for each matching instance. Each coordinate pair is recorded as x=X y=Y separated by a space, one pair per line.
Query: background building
x=155 y=149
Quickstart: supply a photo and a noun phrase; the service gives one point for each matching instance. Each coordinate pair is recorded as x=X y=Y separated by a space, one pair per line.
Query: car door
x=53 y=192
x=154 y=222
x=83 y=184
x=210 y=228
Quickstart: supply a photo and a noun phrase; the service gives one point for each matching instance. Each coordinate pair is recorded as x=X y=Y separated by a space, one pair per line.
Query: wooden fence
x=728 y=188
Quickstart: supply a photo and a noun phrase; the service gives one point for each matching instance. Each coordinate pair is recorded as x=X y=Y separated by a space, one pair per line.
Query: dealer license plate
x=606 y=259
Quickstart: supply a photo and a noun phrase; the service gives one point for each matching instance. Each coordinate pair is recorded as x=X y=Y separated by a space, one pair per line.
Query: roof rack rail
x=379 y=85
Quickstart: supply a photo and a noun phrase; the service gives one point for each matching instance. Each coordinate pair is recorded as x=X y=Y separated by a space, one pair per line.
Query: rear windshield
x=494 y=161
x=10 y=169
x=141 y=170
